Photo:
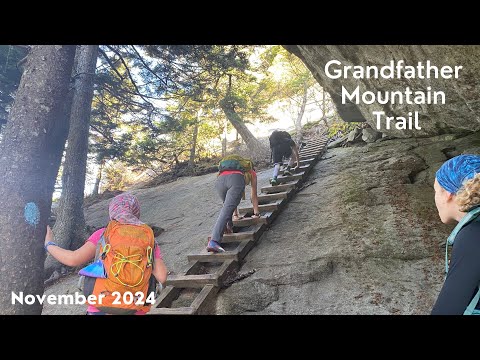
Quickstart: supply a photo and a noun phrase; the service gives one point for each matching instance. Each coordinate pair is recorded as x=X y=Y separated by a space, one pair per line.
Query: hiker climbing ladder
x=194 y=291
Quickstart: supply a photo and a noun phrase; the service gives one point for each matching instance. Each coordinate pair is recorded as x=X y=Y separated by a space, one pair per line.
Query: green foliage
x=293 y=76
x=195 y=79
x=342 y=127
x=125 y=125
x=310 y=125
x=149 y=99
x=190 y=70
x=128 y=126
x=297 y=90
x=117 y=176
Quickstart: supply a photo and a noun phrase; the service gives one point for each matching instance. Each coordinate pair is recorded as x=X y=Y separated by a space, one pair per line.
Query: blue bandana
x=454 y=172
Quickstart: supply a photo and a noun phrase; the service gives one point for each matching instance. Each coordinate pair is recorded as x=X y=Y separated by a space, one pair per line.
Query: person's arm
x=160 y=271
x=464 y=274
x=69 y=257
x=296 y=154
x=254 y=196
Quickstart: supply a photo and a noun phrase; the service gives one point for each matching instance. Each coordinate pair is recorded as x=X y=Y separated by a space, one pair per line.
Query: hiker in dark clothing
x=282 y=146
x=457 y=197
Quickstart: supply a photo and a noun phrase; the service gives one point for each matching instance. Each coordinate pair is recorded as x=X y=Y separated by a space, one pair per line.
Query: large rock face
x=459 y=113
x=364 y=239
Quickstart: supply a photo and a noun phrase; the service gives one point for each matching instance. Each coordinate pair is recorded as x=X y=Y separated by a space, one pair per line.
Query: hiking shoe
x=214 y=247
x=273 y=182
x=287 y=172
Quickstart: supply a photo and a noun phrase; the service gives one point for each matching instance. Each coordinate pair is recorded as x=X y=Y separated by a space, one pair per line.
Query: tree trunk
x=298 y=122
x=96 y=188
x=224 y=140
x=191 y=161
x=251 y=141
x=324 y=108
x=69 y=227
x=26 y=167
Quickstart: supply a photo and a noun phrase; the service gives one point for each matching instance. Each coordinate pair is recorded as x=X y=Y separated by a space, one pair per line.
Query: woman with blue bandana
x=457 y=197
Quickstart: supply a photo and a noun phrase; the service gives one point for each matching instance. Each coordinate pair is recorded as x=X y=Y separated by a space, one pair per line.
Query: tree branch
x=112 y=66
x=135 y=93
x=130 y=75
x=108 y=138
x=148 y=67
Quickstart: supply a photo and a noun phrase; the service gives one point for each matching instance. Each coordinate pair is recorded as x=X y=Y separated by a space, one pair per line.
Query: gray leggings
x=230 y=189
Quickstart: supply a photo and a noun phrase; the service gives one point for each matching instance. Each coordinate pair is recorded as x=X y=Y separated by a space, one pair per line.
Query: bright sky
x=285 y=121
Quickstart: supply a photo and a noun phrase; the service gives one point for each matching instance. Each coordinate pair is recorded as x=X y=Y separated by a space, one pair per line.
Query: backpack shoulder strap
x=155 y=245
x=473 y=304
x=100 y=245
x=102 y=242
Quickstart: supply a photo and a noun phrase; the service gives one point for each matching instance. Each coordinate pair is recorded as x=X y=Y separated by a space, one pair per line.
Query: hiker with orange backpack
x=282 y=146
x=126 y=256
x=235 y=172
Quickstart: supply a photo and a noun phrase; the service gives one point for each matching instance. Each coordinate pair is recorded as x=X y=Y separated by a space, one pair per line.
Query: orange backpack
x=127 y=253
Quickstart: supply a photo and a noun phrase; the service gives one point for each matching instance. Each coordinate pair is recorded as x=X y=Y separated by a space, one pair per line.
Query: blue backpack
x=472 y=215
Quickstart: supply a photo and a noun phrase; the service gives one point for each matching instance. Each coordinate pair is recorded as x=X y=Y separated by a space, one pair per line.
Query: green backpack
x=236 y=162
x=472 y=215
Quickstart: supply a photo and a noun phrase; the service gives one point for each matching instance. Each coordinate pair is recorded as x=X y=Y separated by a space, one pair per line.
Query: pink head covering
x=125 y=209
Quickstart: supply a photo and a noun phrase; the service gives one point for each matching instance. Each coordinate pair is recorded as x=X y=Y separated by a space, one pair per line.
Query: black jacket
x=463 y=276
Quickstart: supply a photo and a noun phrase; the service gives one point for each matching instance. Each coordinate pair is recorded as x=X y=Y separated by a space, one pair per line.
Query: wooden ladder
x=194 y=291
